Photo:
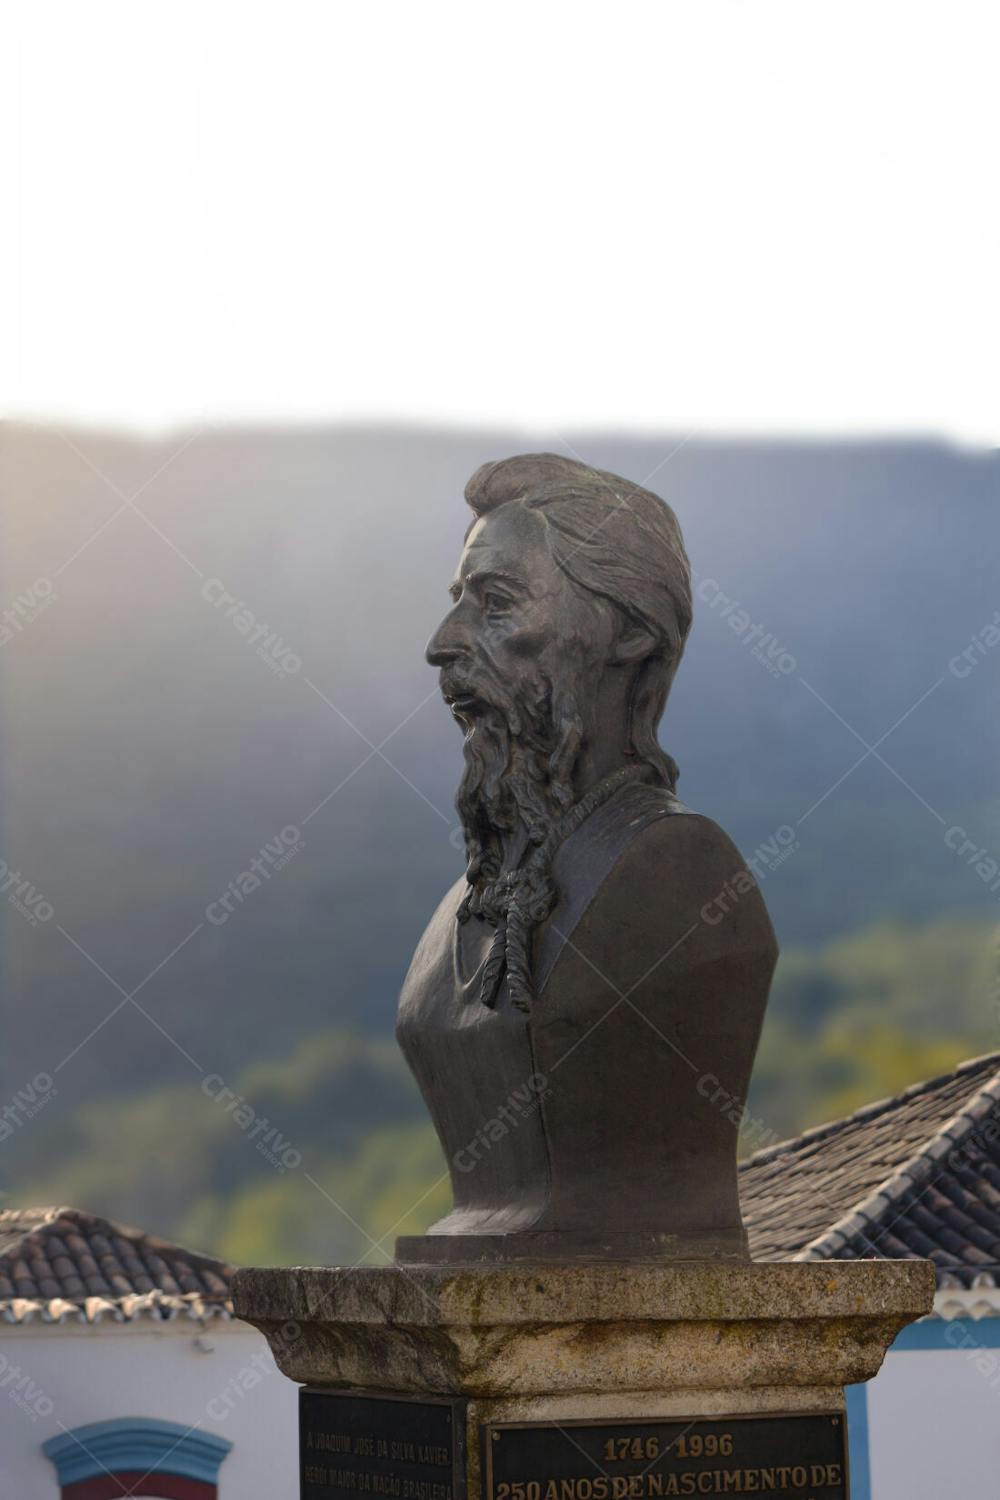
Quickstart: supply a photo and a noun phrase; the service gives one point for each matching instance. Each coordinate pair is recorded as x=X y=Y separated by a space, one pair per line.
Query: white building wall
x=218 y=1376
x=934 y=1416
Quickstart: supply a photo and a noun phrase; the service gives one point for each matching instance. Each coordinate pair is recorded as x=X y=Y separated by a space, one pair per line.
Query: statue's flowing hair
x=617 y=542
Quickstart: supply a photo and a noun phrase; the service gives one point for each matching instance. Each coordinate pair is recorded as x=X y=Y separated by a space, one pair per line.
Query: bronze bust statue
x=579 y=1004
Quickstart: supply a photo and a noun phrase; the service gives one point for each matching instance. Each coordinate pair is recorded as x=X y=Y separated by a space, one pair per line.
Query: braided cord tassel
x=519 y=958
x=493 y=969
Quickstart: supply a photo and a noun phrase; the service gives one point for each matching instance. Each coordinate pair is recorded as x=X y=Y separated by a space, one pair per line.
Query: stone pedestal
x=596 y=1343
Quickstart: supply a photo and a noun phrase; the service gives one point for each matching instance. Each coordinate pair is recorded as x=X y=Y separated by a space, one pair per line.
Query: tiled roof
x=59 y=1263
x=913 y=1176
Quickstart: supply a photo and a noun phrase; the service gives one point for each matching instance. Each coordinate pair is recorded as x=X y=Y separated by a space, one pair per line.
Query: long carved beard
x=520 y=755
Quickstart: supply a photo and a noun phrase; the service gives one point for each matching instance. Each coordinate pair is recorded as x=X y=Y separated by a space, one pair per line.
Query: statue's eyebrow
x=477 y=578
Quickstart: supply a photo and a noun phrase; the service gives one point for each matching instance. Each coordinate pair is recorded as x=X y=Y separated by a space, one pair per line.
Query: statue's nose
x=446 y=644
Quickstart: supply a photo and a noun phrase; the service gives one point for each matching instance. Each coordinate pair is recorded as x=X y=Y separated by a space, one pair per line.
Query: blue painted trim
x=950 y=1333
x=130 y=1443
x=857 y=1441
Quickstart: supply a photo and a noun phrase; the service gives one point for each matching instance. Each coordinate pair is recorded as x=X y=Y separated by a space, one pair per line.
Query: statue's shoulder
x=638 y=833
x=644 y=872
x=677 y=834
x=681 y=872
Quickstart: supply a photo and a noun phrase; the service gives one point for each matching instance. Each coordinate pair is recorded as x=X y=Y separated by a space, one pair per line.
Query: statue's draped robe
x=606 y=1120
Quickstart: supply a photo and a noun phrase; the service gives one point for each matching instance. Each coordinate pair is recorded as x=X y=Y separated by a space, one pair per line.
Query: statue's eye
x=495 y=603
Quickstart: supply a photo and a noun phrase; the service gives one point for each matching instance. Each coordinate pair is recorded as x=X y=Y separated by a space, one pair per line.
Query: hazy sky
x=770 y=216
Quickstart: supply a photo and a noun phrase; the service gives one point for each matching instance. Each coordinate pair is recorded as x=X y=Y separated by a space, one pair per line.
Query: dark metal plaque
x=353 y=1445
x=770 y=1457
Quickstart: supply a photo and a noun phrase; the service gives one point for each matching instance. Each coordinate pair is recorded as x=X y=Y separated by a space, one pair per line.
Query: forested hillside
x=320 y=1154
x=211 y=665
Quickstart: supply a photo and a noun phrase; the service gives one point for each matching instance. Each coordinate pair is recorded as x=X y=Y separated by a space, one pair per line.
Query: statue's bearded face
x=520 y=653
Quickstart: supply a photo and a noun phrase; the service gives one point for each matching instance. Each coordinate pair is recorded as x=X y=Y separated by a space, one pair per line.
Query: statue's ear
x=633 y=644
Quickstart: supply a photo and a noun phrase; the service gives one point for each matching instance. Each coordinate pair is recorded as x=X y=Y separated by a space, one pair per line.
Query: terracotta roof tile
x=57 y=1262
x=916 y=1175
